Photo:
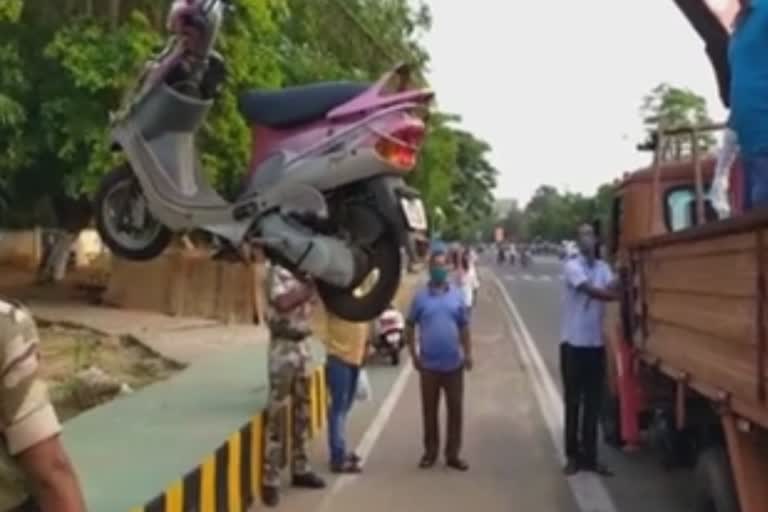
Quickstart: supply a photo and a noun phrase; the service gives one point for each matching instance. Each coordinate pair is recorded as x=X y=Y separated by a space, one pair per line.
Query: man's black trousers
x=583 y=373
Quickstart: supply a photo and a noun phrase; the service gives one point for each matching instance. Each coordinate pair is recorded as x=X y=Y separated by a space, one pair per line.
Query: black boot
x=308 y=481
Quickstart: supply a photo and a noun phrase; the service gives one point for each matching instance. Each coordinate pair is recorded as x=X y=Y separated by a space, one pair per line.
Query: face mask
x=438 y=275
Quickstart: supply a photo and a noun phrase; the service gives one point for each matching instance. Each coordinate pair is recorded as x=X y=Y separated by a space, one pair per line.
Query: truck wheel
x=715 y=490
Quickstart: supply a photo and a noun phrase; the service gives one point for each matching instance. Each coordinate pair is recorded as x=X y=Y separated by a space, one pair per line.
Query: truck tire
x=715 y=489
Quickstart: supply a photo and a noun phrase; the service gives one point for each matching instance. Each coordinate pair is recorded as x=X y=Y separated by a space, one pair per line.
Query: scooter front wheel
x=123 y=219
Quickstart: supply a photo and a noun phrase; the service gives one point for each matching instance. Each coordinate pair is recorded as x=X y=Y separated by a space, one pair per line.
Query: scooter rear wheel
x=117 y=197
x=386 y=262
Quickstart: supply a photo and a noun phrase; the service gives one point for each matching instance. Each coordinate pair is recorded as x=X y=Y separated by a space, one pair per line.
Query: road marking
x=527 y=277
x=544 y=277
x=510 y=277
x=372 y=433
x=588 y=490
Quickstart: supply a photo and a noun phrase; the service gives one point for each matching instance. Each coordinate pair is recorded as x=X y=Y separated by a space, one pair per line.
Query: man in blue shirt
x=441 y=355
x=588 y=284
x=748 y=59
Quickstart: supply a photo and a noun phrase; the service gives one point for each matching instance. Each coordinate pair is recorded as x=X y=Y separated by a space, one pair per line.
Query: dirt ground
x=67 y=350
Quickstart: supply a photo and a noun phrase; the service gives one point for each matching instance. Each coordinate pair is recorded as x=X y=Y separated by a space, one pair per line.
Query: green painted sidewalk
x=129 y=450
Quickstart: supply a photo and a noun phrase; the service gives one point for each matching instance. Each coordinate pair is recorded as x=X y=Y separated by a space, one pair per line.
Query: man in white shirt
x=589 y=283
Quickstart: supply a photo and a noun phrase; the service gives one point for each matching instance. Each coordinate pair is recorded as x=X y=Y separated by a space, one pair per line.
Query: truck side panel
x=701 y=320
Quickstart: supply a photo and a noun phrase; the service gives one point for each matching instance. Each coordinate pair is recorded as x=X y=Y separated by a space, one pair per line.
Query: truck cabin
x=671 y=194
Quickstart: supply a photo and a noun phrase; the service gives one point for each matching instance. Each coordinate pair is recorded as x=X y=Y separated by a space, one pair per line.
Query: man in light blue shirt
x=748 y=60
x=589 y=283
x=441 y=354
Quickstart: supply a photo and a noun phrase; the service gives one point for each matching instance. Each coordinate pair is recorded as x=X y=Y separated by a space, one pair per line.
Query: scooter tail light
x=400 y=149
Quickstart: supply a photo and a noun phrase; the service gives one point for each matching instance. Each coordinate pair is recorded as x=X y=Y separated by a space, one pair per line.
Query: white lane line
x=372 y=433
x=510 y=277
x=588 y=490
x=527 y=277
x=545 y=277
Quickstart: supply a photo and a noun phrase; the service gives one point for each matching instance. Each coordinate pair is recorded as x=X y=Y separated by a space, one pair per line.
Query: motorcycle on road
x=389 y=334
x=325 y=194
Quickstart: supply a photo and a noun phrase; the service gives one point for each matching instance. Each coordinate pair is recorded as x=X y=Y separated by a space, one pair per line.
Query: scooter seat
x=295 y=106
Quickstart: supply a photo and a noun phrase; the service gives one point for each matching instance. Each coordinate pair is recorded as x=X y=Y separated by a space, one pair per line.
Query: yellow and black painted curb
x=229 y=479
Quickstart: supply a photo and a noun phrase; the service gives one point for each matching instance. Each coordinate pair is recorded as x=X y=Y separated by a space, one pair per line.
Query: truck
x=687 y=344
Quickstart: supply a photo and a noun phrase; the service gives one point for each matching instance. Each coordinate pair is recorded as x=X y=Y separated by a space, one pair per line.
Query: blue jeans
x=755 y=180
x=341 y=378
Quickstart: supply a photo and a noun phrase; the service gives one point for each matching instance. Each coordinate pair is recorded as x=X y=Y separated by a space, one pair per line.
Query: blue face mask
x=438 y=275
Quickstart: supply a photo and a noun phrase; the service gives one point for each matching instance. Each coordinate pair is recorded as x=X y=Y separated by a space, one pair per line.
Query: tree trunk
x=54 y=268
x=114 y=13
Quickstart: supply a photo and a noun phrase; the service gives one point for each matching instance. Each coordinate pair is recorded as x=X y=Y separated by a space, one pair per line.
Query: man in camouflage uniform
x=288 y=316
x=35 y=472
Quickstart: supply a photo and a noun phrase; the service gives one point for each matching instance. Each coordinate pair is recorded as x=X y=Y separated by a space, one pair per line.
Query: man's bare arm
x=54 y=482
x=603 y=294
x=297 y=296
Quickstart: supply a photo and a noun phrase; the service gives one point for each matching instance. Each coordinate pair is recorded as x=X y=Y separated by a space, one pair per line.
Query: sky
x=555 y=86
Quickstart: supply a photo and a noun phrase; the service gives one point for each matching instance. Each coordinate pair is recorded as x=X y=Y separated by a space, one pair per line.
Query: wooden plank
x=743 y=242
x=728 y=367
x=730 y=319
x=731 y=274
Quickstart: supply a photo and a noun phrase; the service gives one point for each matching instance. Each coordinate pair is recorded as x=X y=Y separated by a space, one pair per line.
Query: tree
x=471 y=199
x=554 y=216
x=669 y=107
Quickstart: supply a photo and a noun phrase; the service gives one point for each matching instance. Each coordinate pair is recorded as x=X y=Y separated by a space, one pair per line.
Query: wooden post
x=748 y=454
x=656 y=218
x=699 y=180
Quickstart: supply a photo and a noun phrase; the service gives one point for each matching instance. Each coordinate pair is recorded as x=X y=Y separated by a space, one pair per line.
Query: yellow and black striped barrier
x=229 y=479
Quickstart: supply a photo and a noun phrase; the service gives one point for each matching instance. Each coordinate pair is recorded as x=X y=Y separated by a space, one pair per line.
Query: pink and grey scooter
x=324 y=196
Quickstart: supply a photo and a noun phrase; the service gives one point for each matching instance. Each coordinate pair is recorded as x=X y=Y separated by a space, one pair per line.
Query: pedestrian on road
x=36 y=474
x=589 y=283
x=288 y=317
x=441 y=354
x=346 y=345
x=465 y=276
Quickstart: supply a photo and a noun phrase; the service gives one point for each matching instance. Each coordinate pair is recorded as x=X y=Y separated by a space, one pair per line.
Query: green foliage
x=10 y=10
x=553 y=215
x=670 y=107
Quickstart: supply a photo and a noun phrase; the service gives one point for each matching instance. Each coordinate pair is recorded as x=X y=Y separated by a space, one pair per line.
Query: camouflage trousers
x=288 y=378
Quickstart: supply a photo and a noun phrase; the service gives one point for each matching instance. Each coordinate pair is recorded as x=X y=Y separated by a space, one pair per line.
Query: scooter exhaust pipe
x=322 y=257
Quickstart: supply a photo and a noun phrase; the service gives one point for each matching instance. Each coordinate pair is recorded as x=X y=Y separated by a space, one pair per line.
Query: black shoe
x=353 y=457
x=270 y=496
x=571 y=467
x=308 y=481
x=457 y=464
x=427 y=462
x=598 y=469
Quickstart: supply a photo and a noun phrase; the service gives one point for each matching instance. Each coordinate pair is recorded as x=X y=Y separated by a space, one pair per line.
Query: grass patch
x=67 y=350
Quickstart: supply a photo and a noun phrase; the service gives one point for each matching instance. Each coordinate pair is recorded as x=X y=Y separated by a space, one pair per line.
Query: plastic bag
x=727 y=155
x=363 y=392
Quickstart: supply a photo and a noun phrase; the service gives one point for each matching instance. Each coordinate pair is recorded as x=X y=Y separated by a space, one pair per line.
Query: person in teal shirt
x=748 y=59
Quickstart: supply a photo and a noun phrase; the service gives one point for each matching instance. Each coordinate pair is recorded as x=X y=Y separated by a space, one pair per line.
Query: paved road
x=511 y=430
x=641 y=483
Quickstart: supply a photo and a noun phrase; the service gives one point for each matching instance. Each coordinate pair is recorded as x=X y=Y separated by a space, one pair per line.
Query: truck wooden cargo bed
x=700 y=310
